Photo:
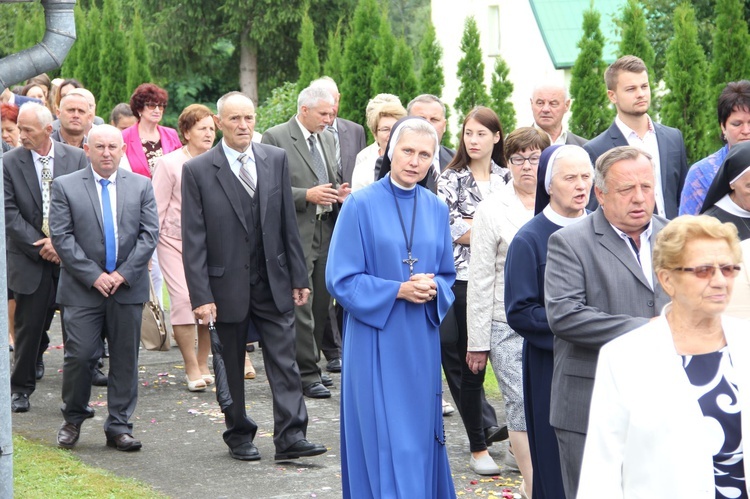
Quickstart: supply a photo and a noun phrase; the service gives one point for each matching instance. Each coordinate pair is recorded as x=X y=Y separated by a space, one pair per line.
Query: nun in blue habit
x=391 y=268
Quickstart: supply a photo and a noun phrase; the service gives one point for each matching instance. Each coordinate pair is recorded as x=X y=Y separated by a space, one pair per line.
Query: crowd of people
x=601 y=278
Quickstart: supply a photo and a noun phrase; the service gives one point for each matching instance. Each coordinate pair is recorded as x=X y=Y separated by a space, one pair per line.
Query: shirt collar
x=305 y=132
x=112 y=179
x=51 y=154
x=645 y=235
x=232 y=155
x=560 y=220
x=627 y=131
x=562 y=139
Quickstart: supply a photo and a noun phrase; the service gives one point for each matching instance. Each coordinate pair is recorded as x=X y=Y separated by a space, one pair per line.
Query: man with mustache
x=628 y=89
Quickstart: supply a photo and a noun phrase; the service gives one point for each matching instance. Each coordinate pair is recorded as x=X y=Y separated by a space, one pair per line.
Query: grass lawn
x=42 y=471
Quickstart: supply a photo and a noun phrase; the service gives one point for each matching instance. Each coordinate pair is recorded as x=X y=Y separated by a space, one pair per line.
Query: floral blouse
x=461 y=193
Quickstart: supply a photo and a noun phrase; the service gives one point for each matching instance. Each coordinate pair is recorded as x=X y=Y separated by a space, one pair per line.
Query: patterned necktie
x=110 y=245
x=338 y=150
x=245 y=176
x=319 y=166
x=46 y=184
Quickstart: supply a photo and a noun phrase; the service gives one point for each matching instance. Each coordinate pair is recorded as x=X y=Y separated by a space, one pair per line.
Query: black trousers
x=278 y=338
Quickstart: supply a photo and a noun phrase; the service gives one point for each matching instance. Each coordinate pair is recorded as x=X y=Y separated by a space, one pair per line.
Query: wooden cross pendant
x=410 y=262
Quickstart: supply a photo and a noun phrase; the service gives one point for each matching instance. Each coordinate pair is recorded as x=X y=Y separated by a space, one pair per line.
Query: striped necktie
x=245 y=175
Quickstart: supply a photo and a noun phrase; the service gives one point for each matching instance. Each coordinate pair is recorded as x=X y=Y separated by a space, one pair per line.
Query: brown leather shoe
x=68 y=434
x=124 y=442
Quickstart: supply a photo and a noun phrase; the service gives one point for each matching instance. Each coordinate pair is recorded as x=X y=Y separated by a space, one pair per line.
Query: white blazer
x=646 y=435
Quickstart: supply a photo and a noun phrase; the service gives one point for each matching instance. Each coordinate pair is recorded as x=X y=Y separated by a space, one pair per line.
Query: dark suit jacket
x=215 y=245
x=672 y=158
x=594 y=292
x=351 y=141
x=575 y=140
x=78 y=236
x=289 y=137
x=23 y=211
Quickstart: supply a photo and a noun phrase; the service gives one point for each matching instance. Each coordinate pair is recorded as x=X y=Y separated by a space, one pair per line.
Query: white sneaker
x=485 y=465
x=448 y=409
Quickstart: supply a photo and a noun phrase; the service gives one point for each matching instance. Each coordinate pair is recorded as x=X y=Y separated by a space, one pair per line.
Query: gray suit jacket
x=672 y=158
x=23 y=211
x=352 y=140
x=594 y=291
x=575 y=140
x=289 y=137
x=78 y=236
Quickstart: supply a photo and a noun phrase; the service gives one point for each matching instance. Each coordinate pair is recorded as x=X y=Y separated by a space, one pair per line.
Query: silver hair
x=223 y=99
x=42 y=113
x=310 y=97
x=325 y=82
x=425 y=99
x=609 y=158
x=571 y=151
x=550 y=84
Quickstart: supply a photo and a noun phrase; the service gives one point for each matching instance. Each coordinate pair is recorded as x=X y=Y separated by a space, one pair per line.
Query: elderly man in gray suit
x=316 y=193
x=549 y=104
x=104 y=227
x=599 y=284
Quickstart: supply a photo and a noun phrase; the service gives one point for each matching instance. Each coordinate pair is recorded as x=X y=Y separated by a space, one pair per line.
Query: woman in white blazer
x=667 y=412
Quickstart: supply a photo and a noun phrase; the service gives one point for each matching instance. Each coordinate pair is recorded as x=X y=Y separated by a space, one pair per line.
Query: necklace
x=187 y=152
x=410 y=261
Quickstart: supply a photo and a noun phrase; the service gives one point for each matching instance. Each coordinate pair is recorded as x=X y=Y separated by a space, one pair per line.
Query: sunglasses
x=153 y=105
x=708 y=271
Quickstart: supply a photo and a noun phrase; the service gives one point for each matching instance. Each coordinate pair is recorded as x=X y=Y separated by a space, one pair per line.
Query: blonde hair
x=383 y=106
x=673 y=239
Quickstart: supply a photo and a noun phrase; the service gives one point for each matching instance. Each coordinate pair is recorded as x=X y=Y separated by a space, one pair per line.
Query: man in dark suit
x=549 y=104
x=244 y=265
x=104 y=227
x=599 y=284
x=316 y=194
x=628 y=89
x=33 y=263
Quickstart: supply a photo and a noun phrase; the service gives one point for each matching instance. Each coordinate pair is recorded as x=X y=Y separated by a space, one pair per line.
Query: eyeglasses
x=708 y=271
x=153 y=105
x=520 y=160
x=384 y=130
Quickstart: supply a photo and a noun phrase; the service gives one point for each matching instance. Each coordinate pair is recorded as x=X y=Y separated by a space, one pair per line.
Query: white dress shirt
x=649 y=144
x=235 y=164
x=112 y=189
x=643 y=257
x=38 y=164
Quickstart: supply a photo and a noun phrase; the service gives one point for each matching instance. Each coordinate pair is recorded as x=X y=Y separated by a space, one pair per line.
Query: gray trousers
x=571 y=445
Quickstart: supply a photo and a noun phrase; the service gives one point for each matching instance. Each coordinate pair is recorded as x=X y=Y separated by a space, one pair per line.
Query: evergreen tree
x=359 y=61
x=731 y=47
x=334 y=56
x=471 y=91
x=591 y=112
x=113 y=59
x=29 y=28
x=138 y=57
x=402 y=72
x=383 y=79
x=634 y=39
x=72 y=61
x=431 y=78
x=686 y=106
x=308 y=62
x=87 y=70
x=500 y=93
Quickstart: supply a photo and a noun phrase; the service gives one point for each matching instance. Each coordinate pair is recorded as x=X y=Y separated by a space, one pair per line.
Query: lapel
x=264 y=176
x=618 y=139
x=90 y=188
x=610 y=240
x=661 y=141
x=228 y=181
x=62 y=166
x=298 y=138
x=122 y=182
x=28 y=170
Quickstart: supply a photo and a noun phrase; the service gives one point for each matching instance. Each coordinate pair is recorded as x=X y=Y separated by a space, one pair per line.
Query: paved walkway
x=184 y=455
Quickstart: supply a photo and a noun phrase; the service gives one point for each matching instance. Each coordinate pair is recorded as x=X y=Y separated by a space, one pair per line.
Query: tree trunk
x=249 y=66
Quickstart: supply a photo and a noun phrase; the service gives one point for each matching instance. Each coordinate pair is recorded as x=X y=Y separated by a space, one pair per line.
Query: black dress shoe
x=99 y=378
x=302 y=448
x=334 y=366
x=245 y=452
x=124 y=442
x=68 y=435
x=90 y=412
x=326 y=380
x=495 y=434
x=39 y=374
x=316 y=391
x=19 y=402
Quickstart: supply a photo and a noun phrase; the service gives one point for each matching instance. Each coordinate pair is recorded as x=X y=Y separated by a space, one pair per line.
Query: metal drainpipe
x=46 y=55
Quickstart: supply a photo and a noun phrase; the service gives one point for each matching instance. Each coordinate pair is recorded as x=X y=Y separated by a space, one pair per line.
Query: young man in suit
x=104 y=228
x=317 y=194
x=628 y=89
x=615 y=293
x=33 y=263
x=244 y=265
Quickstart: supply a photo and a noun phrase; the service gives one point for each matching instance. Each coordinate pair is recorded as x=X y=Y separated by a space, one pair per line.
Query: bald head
x=105 y=149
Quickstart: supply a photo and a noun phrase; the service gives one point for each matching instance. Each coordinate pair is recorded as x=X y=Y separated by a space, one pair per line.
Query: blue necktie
x=110 y=245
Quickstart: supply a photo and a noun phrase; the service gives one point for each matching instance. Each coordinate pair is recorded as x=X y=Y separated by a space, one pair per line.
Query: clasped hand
x=420 y=288
x=108 y=284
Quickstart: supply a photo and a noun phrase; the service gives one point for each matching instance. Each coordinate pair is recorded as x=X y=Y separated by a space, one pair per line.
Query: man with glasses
x=599 y=284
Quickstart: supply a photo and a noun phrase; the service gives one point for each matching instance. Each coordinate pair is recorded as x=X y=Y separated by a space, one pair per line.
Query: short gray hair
x=222 y=100
x=325 y=82
x=310 y=96
x=609 y=158
x=40 y=110
x=549 y=84
x=425 y=99
x=571 y=151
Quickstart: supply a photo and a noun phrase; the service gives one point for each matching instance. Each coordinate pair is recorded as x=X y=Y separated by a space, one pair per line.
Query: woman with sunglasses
x=667 y=412
x=147 y=141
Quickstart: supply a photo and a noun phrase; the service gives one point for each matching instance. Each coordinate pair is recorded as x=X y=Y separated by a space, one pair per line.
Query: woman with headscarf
x=393 y=274
x=564 y=180
x=728 y=198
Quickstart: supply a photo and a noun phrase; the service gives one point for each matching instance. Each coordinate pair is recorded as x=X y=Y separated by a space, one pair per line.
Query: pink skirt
x=170 y=262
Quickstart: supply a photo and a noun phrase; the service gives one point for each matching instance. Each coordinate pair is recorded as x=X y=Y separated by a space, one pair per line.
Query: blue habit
x=392 y=440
